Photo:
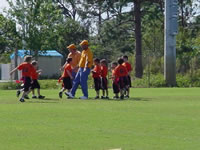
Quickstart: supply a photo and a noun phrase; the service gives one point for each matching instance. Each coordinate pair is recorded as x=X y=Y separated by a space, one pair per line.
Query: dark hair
x=97 y=60
x=34 y=62
x=104 y=62
x=125 y=57
x=27 y=58
x=69 y=60
x=120 y=61
x=114 y=63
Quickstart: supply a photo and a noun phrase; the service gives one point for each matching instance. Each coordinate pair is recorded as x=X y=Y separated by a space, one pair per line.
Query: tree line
x=113 y=27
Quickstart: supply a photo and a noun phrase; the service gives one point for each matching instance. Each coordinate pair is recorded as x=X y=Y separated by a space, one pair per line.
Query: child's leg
x=103 y=93
x=38 y=91
x=106 y=92
x=33 y=92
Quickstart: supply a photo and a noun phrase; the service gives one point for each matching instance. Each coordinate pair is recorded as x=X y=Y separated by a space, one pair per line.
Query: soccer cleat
x=69 y=95
x=34 y=96
x=21 y=100
x=26 y=97
x=60 y=94
x=41 y=97
x=18 y=93
x=97 y=97
x=83 y=97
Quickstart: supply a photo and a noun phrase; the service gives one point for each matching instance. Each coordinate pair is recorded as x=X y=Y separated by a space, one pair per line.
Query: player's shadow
x=139 y=99
x=45 y=100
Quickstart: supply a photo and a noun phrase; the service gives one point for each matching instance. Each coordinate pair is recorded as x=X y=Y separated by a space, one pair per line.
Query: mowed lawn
x=152 y=119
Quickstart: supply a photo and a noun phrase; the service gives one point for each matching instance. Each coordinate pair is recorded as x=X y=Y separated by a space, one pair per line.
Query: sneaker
x=21 y=100
x=18 y=93
x=69 y=95
x=102 y=97
x=107 y=97
x=26 y=97
x=97 y=97
x=115 y=97
x=126 y=96
x=34 y=96
x=122 y=97
x=60 y=94
x=83 y=97
x=41 y=97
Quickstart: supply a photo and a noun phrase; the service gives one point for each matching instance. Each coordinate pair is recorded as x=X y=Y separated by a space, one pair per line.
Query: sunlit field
x=152 y=119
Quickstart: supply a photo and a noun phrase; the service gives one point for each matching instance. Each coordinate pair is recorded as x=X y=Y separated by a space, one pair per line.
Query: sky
x=3 y=4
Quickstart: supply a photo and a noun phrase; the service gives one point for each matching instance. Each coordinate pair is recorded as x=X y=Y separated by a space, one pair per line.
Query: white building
x=49 y=61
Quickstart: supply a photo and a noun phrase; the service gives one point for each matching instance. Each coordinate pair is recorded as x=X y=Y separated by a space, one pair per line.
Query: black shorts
x=35 y=84
x=115 y=87
x=27 y=83
x=97 y=83
x=67 y=82
x=123 y=82
x=104 y=83
x=129 y=80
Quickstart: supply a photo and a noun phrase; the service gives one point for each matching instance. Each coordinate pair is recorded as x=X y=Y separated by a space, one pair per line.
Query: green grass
x=153 y=119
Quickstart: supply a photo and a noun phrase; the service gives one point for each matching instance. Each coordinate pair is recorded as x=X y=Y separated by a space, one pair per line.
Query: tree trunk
x=138 y=39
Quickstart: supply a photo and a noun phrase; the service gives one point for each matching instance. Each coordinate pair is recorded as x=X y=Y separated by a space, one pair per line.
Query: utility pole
x=171 y=30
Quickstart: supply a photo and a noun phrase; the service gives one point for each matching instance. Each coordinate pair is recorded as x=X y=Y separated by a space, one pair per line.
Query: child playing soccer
x=35 y=83
x=121 y=73
x=115 y=85
x=96 y=72
x=104 y=81
x=67 y=77
x=27 y=70
x=129 y=69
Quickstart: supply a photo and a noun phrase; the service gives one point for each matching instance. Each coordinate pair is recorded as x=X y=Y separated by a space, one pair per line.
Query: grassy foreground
x=152 y=119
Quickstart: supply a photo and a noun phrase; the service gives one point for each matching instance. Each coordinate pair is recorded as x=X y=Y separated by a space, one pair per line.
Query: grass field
x=152 y=119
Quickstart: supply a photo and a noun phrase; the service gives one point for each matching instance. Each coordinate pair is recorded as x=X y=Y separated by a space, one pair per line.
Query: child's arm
x=13 y=71
x=70 y=75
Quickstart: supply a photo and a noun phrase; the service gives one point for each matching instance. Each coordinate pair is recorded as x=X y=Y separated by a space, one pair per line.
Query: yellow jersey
x=86 y=59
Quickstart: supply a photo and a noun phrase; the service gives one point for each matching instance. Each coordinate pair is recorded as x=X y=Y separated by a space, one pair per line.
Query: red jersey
x=128 y=66
x=34 y=74
x=120 y=71
x=104 y=71
x=69 y=68
x=26 y=69
x=96 y=71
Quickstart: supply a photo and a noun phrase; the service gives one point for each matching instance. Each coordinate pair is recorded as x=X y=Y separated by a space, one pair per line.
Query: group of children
x=29 y=78
x=121 y=81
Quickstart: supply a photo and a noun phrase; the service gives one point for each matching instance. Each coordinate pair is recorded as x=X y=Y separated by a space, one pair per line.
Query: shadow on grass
x=45 y=100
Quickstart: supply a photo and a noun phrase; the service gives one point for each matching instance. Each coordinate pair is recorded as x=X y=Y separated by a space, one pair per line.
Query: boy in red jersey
x=27 y=70
x=104 y=81
x=96 y=73
x=67 y=77
x=115 y=85
x=35 y=83
x=129 y=69
x=121 y=73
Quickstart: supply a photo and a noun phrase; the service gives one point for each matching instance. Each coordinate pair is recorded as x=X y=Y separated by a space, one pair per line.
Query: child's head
x=120 y=61
x=69 y=60
x=114 y=65
x=125 y=57
x=103 y=62
x=34 y=63
x=96 y=61
x=28 y=58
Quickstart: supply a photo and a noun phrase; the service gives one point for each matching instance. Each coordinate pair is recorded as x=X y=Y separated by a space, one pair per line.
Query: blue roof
x=22 y=53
